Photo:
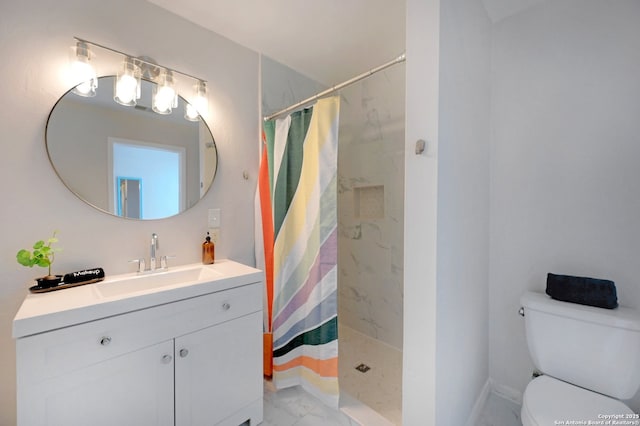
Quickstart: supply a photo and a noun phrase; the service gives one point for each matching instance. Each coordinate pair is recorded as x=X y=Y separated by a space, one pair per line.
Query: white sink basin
x=120 y=286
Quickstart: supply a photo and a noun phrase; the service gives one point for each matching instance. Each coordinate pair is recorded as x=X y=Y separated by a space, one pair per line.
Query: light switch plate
x=214 y=233
x=214 y=218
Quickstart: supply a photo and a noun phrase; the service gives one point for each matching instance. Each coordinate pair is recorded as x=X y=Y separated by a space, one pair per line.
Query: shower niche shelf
x=368 y=202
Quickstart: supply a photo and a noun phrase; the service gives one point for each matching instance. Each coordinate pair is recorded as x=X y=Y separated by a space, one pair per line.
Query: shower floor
x=380 y=387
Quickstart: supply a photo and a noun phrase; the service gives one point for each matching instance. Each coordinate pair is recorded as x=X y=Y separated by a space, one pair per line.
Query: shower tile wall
x=371 y=206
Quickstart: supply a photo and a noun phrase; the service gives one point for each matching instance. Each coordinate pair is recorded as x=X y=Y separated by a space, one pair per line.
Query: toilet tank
x=594 y=348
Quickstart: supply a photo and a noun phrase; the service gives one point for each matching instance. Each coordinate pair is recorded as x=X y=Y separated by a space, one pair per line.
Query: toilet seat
x=547 y=401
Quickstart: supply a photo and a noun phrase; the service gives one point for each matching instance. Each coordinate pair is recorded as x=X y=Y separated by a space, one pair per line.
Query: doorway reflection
x=147 y=179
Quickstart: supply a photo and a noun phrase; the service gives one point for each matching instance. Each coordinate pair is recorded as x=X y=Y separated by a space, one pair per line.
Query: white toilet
x=589 y=357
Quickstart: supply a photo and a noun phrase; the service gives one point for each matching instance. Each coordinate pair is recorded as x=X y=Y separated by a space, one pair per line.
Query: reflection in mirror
x=129 y=161
x=129 y=202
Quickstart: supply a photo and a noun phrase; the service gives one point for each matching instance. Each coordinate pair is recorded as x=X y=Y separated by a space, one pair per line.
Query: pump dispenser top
x=208 y=251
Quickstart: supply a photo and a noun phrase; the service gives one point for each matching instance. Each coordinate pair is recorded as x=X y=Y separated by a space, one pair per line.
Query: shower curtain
x=297 y=209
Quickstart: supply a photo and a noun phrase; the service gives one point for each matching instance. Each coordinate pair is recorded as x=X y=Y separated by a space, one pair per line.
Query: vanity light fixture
x=127 y=87
x=83 y=73
x=127 y=84
x=164 y=97
x=200 y=103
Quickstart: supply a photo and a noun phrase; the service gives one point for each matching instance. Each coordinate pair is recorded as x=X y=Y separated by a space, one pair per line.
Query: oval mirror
x=130 y=161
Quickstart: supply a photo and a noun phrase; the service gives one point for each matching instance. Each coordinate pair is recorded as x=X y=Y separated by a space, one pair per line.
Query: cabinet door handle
x=183 y=352
x=166 y=359
x=105 y=341
x=226 y=306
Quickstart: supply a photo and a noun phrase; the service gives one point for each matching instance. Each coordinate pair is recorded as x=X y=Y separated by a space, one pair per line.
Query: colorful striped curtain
x=298 y=225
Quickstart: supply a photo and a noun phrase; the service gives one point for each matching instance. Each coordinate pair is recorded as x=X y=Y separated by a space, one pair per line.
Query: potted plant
x=43 y=255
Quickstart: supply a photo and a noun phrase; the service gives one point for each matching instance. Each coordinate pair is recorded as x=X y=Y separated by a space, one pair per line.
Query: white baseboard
x=474 y=417
x=490 y=387
x=507 y=392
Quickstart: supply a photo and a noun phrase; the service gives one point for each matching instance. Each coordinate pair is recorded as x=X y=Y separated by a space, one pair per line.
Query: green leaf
x=24 y=258
x=42 y=255
x=43 y=262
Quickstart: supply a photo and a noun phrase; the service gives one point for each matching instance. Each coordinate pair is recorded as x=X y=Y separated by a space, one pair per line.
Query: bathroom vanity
x=180 y=347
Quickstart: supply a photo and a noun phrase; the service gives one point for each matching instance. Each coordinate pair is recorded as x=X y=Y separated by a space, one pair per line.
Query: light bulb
x=200 y=104
x=83 y=73
x=191 y=113
x=127 y=86
x=164 y=99
x=164 y=95
x=126 y=89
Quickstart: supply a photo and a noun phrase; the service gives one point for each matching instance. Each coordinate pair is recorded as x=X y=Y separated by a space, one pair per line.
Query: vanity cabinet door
x=219 y=373
x=131 y=389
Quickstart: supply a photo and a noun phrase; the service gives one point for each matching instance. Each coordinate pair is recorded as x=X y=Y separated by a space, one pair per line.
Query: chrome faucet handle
x=141 y=264
x=163 y=261
x=154 y=246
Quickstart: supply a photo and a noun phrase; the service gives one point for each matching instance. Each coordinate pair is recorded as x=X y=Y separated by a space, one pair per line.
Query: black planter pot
x=50 y=281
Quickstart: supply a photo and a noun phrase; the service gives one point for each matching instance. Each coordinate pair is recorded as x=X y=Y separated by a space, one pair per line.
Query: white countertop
x=62 y=308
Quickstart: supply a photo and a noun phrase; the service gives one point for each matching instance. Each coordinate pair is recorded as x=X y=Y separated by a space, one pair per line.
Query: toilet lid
x=548 y=401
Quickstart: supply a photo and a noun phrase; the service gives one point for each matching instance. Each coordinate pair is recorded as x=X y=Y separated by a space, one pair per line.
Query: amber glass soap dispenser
x=208 y=251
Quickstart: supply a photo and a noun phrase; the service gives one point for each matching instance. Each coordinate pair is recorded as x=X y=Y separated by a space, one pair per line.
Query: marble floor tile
x=295 y=407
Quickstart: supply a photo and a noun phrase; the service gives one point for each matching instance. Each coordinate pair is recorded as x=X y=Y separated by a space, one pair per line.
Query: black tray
x=38 y=289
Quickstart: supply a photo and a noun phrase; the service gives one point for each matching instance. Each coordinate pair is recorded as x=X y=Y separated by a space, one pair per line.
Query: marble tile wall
x=370 y=246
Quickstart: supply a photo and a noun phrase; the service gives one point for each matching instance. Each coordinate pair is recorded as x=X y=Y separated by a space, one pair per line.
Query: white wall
x=565 y=180
x=36 y=36
x=420 y=219
x=462 y=365
x=282 y=86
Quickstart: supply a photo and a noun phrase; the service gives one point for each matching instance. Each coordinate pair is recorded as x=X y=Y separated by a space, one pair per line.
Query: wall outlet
x=214 y=233
x=214 y=218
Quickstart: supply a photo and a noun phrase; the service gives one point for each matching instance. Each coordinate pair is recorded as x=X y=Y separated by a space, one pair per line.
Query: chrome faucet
x=153 y=260
x=154 y=247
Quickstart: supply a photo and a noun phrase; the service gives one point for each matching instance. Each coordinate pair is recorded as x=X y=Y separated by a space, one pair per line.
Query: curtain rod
x=337 y=87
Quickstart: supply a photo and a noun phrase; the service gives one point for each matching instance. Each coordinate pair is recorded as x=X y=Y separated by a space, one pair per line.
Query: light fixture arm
x=142 y=60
